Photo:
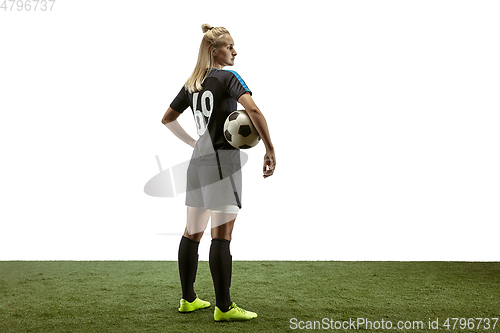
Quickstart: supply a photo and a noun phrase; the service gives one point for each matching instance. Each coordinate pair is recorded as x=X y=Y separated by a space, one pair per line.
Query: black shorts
x=212 y=186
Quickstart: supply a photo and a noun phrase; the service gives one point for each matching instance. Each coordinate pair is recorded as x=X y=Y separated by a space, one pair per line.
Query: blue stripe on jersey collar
x=239 y=79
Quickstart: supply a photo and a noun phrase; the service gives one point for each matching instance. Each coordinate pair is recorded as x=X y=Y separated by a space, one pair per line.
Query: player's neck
x=217 y=66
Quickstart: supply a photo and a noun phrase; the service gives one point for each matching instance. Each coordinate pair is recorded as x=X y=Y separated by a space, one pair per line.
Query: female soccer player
x=214 y=173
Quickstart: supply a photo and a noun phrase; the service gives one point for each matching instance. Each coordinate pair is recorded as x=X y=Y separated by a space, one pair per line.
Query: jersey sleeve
x=181 y=102
x=236 y=86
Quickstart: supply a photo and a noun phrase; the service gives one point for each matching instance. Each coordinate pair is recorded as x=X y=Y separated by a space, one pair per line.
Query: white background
x=384 y=116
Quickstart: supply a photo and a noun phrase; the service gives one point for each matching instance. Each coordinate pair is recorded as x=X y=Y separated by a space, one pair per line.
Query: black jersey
x=211 y=106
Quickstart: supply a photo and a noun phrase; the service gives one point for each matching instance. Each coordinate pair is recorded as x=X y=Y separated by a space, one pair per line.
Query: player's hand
x=269 y=163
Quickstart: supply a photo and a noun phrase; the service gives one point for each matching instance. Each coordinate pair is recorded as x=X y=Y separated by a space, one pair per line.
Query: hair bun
x=205 y=27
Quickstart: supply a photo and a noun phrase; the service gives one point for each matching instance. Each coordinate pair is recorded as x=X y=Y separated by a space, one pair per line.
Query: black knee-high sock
x=221 y=263
x=188 y=265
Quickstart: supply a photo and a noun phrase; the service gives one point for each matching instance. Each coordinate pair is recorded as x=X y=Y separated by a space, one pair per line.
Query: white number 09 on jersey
x=199 y=116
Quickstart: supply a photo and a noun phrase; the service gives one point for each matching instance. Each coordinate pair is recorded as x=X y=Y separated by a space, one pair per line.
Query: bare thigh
x=197 y=221
x=222 y=225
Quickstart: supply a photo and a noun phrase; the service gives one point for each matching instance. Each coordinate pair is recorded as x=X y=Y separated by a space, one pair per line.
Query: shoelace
x=238 y=308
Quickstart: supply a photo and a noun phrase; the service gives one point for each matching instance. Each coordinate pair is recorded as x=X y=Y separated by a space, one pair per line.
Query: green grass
x=142 y=296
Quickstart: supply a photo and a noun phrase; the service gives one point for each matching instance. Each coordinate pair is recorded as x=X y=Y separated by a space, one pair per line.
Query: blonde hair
x=211 y=41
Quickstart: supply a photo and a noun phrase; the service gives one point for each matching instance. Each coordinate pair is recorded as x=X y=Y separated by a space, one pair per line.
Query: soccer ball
x=239 y=130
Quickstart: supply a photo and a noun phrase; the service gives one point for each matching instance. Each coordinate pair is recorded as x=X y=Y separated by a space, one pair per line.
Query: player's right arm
x=170 y=120
x=261 y=125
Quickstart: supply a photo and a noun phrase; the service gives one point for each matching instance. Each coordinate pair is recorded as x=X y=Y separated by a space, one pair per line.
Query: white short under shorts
x=228 y=209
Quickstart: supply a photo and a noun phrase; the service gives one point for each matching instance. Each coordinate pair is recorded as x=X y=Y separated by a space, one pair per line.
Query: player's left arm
x=260 y=124
x=257 y=118
x=170 y=120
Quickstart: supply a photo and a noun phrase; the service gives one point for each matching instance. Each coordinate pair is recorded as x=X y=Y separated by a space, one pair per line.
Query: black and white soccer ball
x=239 y=130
